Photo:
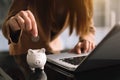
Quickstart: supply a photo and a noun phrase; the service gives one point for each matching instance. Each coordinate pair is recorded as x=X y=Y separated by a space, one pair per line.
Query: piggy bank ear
x=30 y=51
x=43 y=50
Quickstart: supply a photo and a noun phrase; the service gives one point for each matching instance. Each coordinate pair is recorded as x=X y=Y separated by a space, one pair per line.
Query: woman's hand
x=24 y=20
x=83 y=47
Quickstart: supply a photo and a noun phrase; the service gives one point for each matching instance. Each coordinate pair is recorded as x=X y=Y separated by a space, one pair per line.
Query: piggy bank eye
x=41 y=50
x=38 y=51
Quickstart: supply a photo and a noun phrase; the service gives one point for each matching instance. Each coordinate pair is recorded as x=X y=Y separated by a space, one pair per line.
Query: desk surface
x=54 y=73
x=109 y=73
x=8 y=65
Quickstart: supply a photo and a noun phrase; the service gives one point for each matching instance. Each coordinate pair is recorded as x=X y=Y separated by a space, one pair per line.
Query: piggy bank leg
x=33 y=69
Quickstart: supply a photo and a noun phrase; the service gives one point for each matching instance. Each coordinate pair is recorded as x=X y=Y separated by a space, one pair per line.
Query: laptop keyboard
x=73 y=60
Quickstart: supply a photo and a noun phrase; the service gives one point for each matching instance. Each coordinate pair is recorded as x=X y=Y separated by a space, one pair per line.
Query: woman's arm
x=86 y=42
x=91 y=35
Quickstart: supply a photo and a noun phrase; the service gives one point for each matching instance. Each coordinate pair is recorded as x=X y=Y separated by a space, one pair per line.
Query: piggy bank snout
x=37 y=62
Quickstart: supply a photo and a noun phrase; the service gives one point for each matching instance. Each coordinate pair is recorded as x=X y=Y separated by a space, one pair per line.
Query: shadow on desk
x=55 y=73
x=9 y=66
x=110 y=73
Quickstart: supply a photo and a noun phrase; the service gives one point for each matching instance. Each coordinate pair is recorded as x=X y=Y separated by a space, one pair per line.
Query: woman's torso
x=48 y=29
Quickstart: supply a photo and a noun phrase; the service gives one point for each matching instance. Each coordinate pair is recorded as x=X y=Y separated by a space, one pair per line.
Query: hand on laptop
x=83 y=47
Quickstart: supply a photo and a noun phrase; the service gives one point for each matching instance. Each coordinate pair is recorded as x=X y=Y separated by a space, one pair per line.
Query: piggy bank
x=36 y=58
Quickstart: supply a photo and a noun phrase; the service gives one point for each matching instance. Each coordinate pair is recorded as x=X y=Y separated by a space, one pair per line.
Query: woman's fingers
x=28 y=23
x=13 y=24
x=83 y=47
x=77 y=48
x=20 y=21
x=24 y=20
x=34 y=30
x=88 y=46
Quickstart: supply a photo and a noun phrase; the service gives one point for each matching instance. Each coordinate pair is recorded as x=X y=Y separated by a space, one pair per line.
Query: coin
x=35 y=39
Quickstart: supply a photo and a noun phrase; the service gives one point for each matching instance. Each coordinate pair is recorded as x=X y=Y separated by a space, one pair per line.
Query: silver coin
x=35 y=39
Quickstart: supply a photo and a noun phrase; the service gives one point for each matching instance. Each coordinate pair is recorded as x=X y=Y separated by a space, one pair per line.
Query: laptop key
x=73 y=60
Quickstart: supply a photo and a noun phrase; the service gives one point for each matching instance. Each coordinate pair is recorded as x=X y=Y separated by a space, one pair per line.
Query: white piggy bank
x=36 y=58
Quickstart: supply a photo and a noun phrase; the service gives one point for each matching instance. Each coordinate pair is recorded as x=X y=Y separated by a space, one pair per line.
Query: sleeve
x=91 y=35
x=16 y=6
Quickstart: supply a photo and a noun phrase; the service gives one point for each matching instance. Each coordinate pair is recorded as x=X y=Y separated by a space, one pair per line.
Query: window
x=106 y=12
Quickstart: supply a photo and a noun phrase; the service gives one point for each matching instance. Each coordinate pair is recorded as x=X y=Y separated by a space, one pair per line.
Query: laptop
x=105 y=54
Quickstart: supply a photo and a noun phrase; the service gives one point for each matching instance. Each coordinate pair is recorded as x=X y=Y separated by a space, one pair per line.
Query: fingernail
x=35 y=35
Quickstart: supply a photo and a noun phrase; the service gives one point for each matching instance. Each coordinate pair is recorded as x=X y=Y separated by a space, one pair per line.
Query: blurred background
x=106 y=14
x=4 y=7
